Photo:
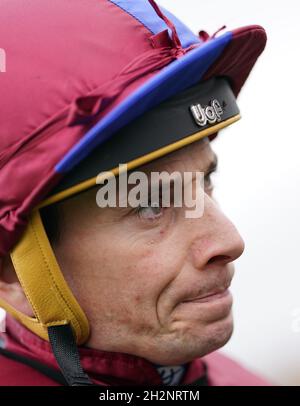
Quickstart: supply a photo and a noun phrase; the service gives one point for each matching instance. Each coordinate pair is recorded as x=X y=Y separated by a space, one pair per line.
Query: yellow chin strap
x=44 y=285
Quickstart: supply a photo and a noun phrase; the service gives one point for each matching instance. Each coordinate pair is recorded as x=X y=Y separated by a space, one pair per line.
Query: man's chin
x=216 y=336
x=196 y=342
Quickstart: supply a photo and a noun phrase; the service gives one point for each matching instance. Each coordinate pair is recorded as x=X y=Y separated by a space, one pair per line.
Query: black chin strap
x=65 y=350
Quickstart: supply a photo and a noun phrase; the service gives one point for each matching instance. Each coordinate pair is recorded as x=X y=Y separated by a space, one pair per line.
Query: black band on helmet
x=195 y=109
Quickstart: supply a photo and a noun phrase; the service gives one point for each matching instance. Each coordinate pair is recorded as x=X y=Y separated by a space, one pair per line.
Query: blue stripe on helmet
x=179 y=75
x=142 y=11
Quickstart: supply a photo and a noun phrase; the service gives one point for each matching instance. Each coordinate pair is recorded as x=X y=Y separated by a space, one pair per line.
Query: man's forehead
x=196 y=156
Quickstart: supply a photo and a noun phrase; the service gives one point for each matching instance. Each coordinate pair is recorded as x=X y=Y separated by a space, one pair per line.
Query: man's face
x=151 y=281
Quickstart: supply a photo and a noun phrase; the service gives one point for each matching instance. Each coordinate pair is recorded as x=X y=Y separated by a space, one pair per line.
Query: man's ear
x=10 y=288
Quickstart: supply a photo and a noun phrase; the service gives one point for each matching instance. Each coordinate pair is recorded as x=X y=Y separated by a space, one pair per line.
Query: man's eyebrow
x=210 y=167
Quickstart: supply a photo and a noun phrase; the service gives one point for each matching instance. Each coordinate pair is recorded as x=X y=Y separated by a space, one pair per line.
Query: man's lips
x=212 y=291
x=209 y=297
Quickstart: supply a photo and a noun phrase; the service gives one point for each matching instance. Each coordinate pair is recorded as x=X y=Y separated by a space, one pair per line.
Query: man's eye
x=153 y=212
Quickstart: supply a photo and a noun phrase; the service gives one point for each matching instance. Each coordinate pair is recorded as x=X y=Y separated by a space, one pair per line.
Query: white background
x=258 y=184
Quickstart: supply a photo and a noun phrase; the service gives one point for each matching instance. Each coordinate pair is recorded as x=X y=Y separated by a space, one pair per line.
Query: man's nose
x=216 y=239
